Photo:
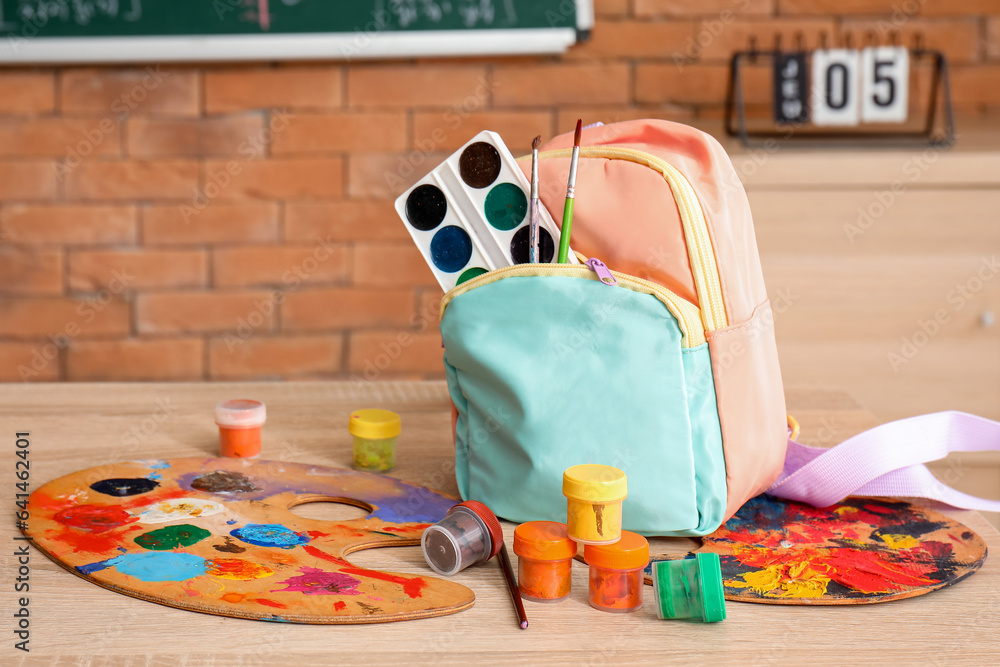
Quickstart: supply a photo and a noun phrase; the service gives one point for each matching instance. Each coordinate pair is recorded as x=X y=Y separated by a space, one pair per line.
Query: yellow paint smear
x=900 y=541
x=796 y=580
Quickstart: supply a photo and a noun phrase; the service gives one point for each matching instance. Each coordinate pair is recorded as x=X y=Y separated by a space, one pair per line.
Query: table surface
x=77 y=426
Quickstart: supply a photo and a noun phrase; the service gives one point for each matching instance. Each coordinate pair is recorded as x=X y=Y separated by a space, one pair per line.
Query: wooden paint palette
x=860 y=551
x=217 y=536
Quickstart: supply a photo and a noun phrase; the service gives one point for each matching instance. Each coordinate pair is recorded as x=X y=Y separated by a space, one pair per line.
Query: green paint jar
x=690 y=588
x=375 y=432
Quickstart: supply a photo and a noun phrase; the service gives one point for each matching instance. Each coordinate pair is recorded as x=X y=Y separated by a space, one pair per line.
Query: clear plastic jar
x=470 y=533
x=616 y=573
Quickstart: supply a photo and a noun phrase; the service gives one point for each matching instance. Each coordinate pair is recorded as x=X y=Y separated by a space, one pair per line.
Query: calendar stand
x=937 y=129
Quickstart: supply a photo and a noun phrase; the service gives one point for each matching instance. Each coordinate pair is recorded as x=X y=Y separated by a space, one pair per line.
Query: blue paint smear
x=152 y=566
x=269 y=535
x=154 y=475
x=231 y=521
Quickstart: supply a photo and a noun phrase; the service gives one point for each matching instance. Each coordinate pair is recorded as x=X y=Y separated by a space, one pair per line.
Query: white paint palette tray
x=470 y=214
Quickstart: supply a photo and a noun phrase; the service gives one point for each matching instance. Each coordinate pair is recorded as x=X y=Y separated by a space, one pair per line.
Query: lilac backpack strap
x=888 y=460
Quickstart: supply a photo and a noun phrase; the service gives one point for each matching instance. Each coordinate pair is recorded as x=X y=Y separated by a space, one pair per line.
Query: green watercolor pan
x=470 y=214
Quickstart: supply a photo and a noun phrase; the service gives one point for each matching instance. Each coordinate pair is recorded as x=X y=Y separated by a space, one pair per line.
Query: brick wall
x=234 y=222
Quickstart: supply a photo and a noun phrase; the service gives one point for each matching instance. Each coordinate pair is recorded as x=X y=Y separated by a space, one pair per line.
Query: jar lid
x=595 y=483
x=489 y=519
x=628 y=553
x=240 y=413
x=374 y=424
x=543 y=540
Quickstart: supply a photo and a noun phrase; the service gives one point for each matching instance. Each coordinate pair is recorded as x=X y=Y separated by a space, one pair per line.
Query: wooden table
x=76 y=426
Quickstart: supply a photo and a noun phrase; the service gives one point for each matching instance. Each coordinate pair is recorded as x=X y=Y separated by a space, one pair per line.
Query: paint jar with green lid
x=594 y=495
x=375 y=433
x=690 y=588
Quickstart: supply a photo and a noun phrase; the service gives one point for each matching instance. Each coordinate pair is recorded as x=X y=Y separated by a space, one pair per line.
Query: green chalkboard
x=40 y=19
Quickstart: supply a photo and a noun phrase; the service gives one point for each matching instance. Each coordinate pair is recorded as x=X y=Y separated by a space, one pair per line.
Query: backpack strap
x=888 y=460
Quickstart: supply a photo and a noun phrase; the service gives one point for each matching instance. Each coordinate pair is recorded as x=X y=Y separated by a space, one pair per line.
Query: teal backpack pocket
x=549 y=367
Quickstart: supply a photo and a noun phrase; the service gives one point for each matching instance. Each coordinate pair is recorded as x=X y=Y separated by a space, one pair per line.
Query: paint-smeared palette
x=859 y=551
x=470 y=214
x=217 y=536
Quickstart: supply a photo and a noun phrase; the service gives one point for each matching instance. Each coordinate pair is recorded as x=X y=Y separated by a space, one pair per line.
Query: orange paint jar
x=616 y=579
x=544 y=560
x=240 y=421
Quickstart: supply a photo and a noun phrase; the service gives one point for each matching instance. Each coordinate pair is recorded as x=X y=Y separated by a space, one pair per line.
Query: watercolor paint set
x=470 y=214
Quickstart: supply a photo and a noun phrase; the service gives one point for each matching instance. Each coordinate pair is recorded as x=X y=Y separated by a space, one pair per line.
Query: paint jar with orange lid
x=616 y=572
x=544 y=560
x=375 y=432
x=594 y=495
x=240 y=421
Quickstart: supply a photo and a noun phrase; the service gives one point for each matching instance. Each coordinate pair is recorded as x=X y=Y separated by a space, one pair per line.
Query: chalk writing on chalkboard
x=80 y=12
x=473 y=13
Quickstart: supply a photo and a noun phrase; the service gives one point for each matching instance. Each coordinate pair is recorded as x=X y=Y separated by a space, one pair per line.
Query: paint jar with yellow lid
x=375 y=432
x=594 y=495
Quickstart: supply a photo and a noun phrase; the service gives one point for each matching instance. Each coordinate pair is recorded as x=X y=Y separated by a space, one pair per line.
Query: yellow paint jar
x=375 y=433
x=594 y=495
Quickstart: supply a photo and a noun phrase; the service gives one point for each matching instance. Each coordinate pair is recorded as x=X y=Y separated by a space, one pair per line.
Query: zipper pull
x=602 y=271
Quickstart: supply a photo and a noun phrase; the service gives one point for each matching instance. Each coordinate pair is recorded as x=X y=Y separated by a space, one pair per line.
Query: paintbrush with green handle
x=567 y=222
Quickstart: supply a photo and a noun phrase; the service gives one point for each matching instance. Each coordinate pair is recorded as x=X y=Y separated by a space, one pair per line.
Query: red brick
x=293 y=87
x=68 y=138
x=376 y=353
x=460 y=86
x=218 y=136
x=104 y=314
x=562 y=83
x=30 y=271
x=611 y=7
x=119 y=93
x=281 y=178
x=449 y=131
x=21 y=180
x=428 y=315
x=265 y=358
x=343 y=308
x=959 y=7
x=343 y=220
x=67 y=224
x=708 y=8
x=135 y=360
x=25 y=93
x=381 y=265
x=958 y=39
x=845 y=7
x=138 y=269
x=635 y=39
x=220 y=311
x=993 y=38
x=281 y=266
x=974 y=85
x=128 y=180
x=326 y=133
x=35 y=361
x=718 y=41
x=387 y=175
x=220 y=222
x=696 y=84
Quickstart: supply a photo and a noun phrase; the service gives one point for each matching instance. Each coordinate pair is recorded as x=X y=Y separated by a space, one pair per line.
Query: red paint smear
x=153 y=498
x=861 y=570
x=411 y=587
x=272 y=603
x=94 y=518
x=96 y=543
x=405 y=529
x=340 y=605
x=315 y=533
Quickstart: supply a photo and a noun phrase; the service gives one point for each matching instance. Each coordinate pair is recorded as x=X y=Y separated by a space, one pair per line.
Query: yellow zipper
x=707 y=283
x=686 y=313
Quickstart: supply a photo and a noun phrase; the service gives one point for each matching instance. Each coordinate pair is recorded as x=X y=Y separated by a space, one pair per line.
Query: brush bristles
x=536 y=143
x=579 y=131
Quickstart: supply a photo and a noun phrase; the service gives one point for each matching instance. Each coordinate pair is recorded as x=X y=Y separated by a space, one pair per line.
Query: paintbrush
x=515 y=593
x=567 y=222
x=533 y=255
